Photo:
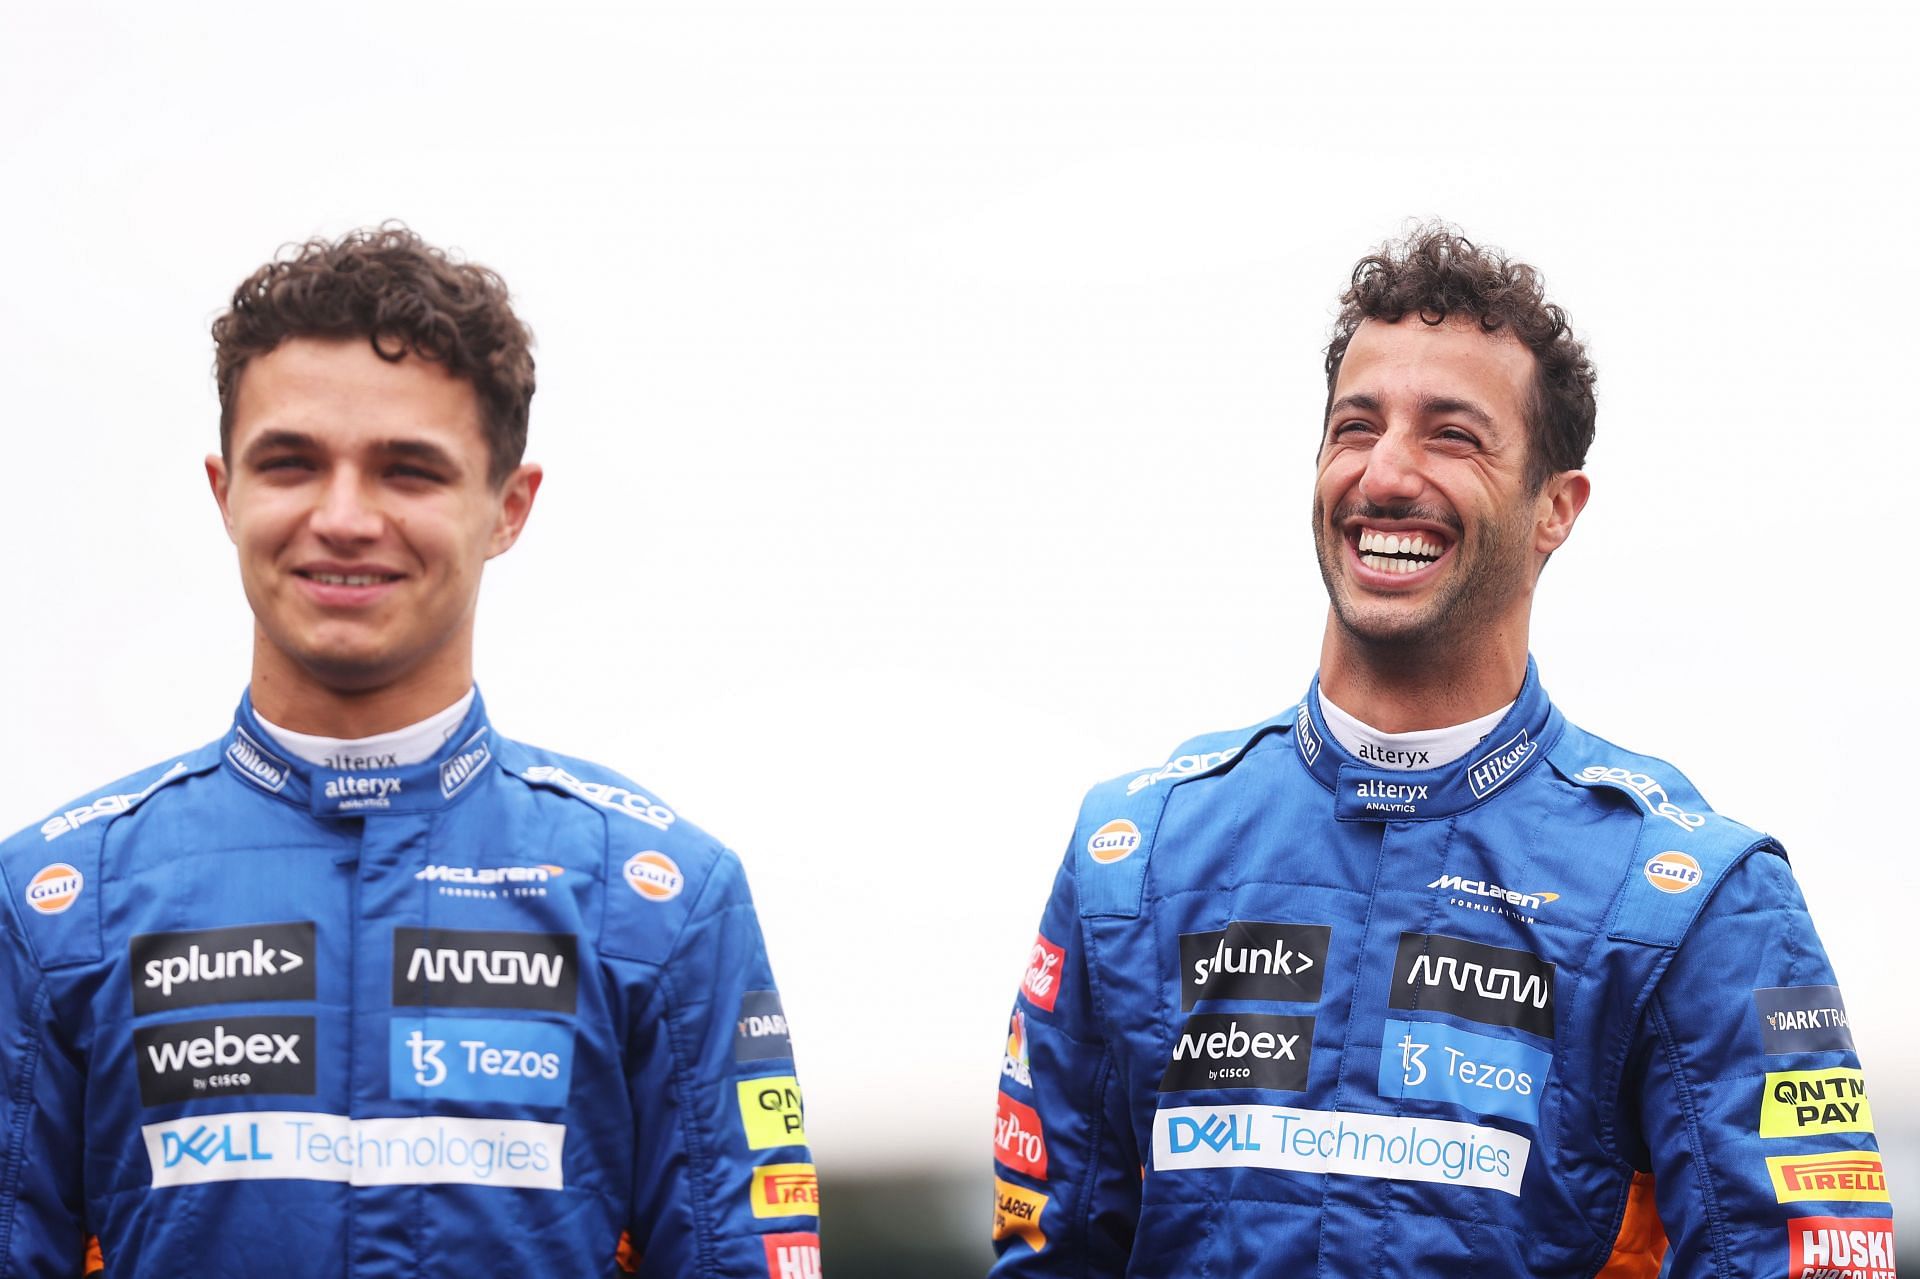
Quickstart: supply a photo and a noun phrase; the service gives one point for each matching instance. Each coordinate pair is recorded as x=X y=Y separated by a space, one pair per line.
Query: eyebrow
x=416 y=450
x=1431 y=406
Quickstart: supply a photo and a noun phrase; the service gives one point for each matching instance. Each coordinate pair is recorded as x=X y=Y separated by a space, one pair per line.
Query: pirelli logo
x=1844 y=1176
x=786 y=1190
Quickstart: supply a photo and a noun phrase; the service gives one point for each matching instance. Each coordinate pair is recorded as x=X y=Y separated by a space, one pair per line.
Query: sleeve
x=41 y=1119
x=1751 y=1103
x=723 y=1184
x=1066 y=1168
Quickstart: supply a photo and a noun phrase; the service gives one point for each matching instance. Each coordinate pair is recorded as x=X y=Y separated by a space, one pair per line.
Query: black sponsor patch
x=1283 y=962
x=761 y=1031
x=471 y=968
x=1803 y=1019
x=1488 y=984
x=221 y=966
x=1240 y=1050
x=182 y=1060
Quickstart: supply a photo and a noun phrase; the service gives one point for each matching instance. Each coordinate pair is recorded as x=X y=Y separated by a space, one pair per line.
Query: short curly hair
x=404 y=296
x=1436 y=272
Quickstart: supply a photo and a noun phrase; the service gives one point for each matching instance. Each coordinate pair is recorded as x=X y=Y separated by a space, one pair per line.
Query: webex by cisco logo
x=221 y=966
x=470 y=968
x=181 y=1060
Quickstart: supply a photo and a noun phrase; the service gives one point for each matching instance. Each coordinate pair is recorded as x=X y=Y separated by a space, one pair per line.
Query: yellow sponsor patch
x=1849 y=1176
x=770 y=1111
x=1016 y=1213
x=1798 y=1103
x=786 y=1190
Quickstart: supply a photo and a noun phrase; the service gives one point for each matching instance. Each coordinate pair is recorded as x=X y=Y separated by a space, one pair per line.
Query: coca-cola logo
x=1018 y=1142
x=1041 y=985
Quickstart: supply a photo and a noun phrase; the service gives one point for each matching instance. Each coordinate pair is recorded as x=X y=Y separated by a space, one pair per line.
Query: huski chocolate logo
x=1488 y=984
x=221 y=966
x=1280 y=962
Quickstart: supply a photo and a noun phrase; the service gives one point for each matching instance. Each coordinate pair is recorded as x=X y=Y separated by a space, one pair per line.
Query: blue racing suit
x=498 y=1013
x=1293 y=1014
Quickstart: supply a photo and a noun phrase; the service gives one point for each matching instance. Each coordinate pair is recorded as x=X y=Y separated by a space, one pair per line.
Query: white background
x=929 y=392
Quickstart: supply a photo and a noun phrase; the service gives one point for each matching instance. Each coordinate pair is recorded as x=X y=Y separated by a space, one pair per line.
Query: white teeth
x=347 y=579
x=1375 y=545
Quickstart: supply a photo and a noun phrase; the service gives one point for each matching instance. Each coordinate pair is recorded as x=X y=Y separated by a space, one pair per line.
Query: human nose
x=346 y=512
x=1393 y=471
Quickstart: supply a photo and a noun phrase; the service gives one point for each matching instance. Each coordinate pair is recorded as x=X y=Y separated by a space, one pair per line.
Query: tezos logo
x=521 y=1062
x=1113 y=841
x=655 y=876
x=1672 y=872
x=55 y=888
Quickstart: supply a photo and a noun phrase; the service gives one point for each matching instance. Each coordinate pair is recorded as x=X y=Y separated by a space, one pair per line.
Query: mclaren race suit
x=1293 y=1014
x=497 y=1013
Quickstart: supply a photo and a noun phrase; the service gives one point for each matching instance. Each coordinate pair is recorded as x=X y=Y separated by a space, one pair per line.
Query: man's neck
x=1404 y=688
x=286 y=694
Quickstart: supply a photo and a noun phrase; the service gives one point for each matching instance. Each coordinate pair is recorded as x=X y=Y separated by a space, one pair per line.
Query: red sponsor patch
x=1840 y=1248
x=1041 y=985
x=793 y=1256
x=1018 y=1142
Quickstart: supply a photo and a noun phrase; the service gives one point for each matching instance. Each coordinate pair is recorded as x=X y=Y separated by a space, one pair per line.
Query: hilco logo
x=1437 y=1062
x=1492 y=898
x=792 y=1256
x=1041 y=984
x=1798 y=1103
x=460 y=770
x=182 y=1060
x=1672 y=872
x=1181 y=766
x=476 y=969
x=1844 y=1176
x=1389 y=797
x=1240 y=1050
x=1648 y=791
x=1113 y=841
x=1303 y=735
x=655 y=876
x=222 y=966
x=256 y=763
x=771 y=1112
x=527 y=1063
x=54 y=888
x=1019 y=1142
x=1016 y=1213
x=617 y=798
x=74 y=818
x=350 y=793
x=1840 y=1248
x=760 y=1032
x=786 y=1190
x=1248 y=960
x=1796 y=1019
x=1016 y=1064
x=1391 y=756
x=1494 y=769
x=1488 y=984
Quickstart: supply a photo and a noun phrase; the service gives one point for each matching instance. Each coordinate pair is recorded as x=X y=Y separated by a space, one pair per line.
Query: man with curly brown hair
x=363 y=986
x=1418 y=978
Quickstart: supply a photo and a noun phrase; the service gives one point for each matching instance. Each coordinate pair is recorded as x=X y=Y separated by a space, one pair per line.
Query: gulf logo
x=55 y=888
x=1113 y=841
x=1672 y=872
x=655 y=876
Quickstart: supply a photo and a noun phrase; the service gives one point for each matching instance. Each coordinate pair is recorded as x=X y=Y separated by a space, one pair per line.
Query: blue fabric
x=481 y=1015
x=1528 y=975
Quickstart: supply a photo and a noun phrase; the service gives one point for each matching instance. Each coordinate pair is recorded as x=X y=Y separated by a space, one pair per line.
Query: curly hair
x=1436 y=272
x=403 y=295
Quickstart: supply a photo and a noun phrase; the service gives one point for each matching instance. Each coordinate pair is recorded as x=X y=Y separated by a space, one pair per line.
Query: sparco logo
x=459 y=770
x=181 y=1060
x=1284 y=962
x=74 y=818
x=1494 y=769
x=256 y=763
x=1487 y=984
x=1240 y=1050
x=221 y=966
x=475 y=969
x=1181 y=766
x=1651 y=794
x=617 y=798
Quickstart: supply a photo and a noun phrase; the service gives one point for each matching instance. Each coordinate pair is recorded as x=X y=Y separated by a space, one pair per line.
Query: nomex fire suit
x=483 y=1015
x=1294 y=1014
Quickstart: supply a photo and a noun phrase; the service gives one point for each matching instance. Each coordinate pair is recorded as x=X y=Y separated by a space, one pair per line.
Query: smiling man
x=1418 y=978
x=363 y=986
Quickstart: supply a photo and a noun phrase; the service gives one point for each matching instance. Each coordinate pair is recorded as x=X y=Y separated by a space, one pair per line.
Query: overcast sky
x=928 y=396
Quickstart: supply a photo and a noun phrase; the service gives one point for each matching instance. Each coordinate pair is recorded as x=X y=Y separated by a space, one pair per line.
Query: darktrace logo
x=760 y=1032
x=1803 y=1019
x=181 y=1060
x=244 y=963
x=1251 y=960
x=464 y=968
x=1488 y=984
x=1240 y=1050
x=1499 y=766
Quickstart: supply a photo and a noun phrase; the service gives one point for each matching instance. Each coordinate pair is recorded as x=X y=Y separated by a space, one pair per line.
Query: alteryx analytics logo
x=1803 y=1019
x=256 y=763
x=1319 y=1142
x=1500 y=765
x=1440 y=1063
x=465 y=765
x=523 y=1063
x=304 y=1145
